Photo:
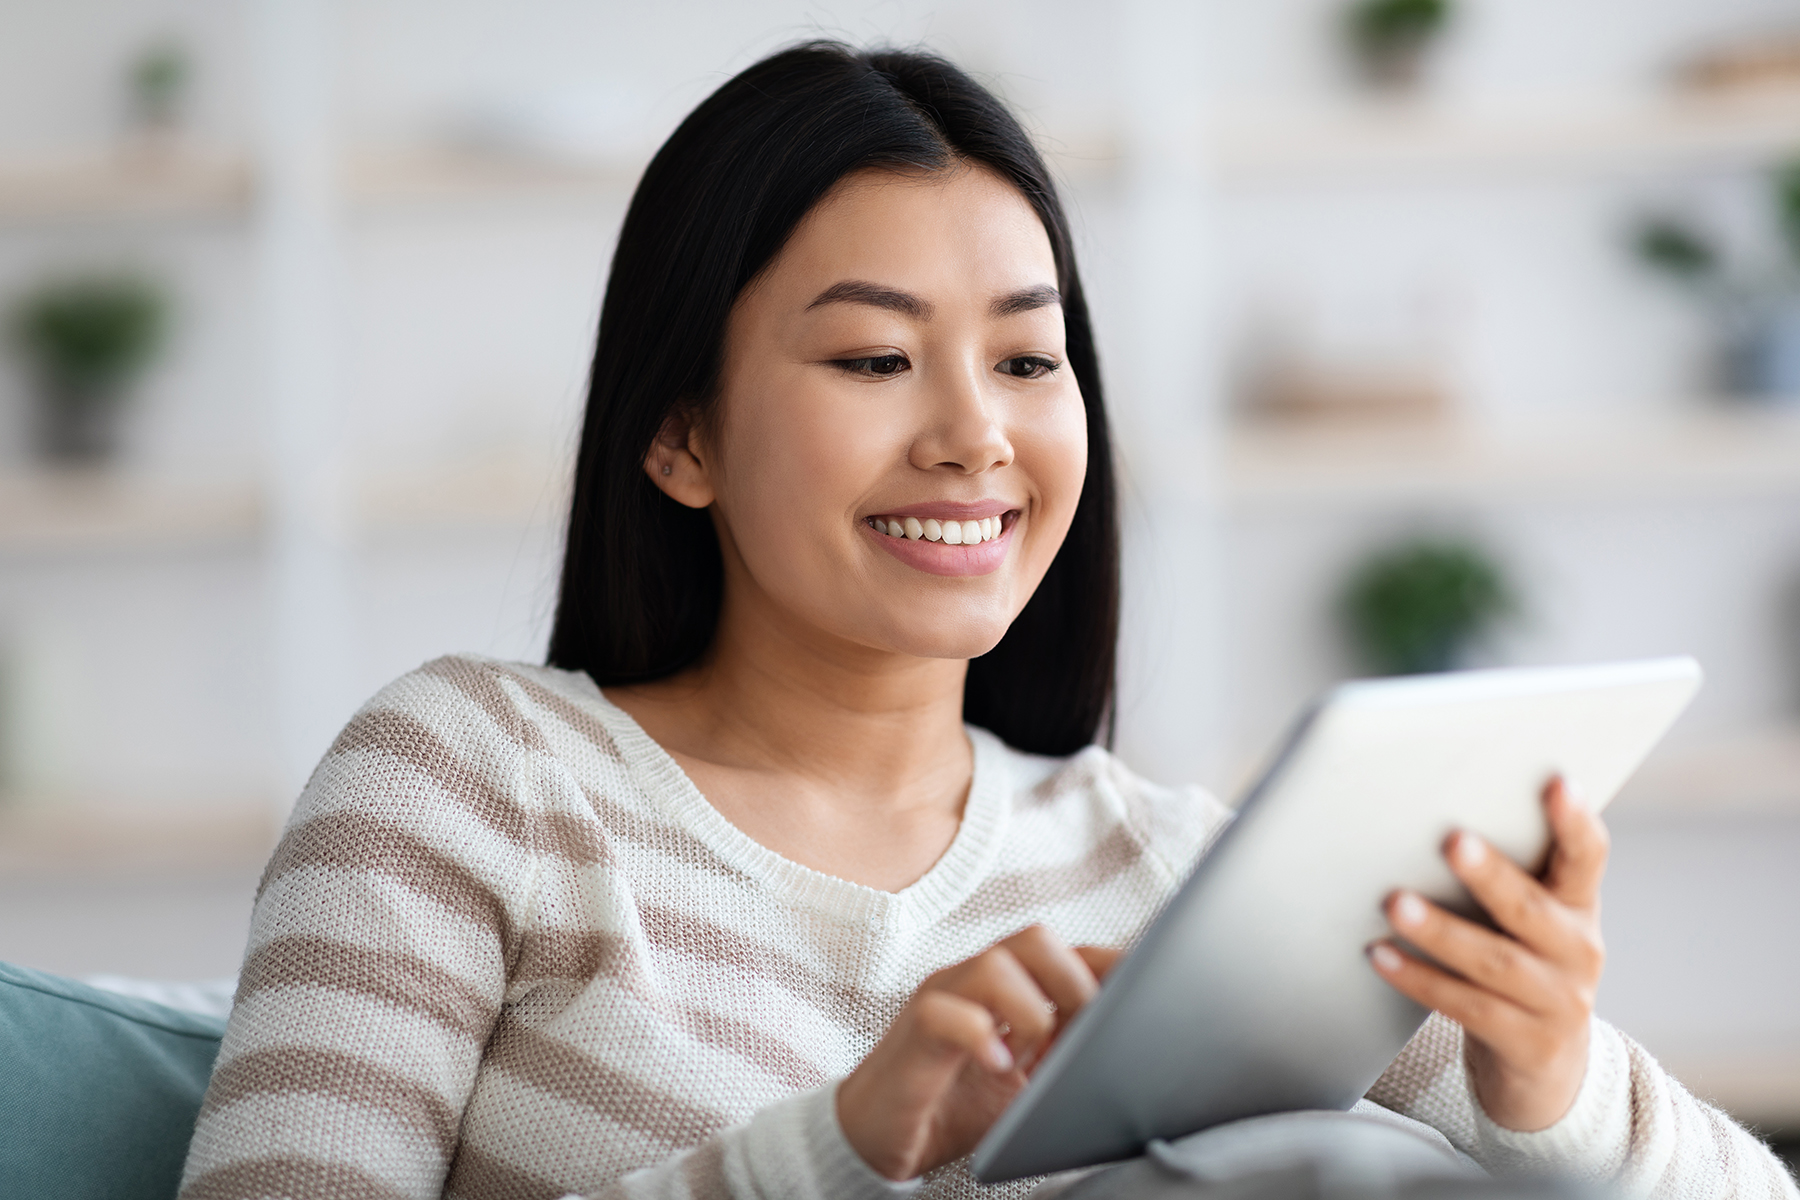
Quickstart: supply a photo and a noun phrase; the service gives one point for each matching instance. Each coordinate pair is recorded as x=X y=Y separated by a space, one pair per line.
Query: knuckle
x=1501 y=959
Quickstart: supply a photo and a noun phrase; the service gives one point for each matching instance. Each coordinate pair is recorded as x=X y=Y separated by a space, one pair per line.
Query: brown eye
x=1028 y=366
x=881 y=367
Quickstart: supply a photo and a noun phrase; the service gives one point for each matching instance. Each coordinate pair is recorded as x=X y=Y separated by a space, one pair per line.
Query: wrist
x=1530 y=1100
x=864 y=1135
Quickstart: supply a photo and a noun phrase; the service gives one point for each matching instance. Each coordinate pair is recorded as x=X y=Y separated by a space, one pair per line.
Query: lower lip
x=938 y=558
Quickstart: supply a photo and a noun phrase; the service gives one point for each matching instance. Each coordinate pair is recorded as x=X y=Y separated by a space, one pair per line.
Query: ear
x=677 y=463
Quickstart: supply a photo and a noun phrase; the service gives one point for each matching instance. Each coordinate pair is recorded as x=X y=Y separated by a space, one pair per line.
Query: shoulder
x=1095 y=789
x=455 y=741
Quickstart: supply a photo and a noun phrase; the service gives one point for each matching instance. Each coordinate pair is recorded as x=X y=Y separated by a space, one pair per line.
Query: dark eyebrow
x=857 y=291
x=1041 y=296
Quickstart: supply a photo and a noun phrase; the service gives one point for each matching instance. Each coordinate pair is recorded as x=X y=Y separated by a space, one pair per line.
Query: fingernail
x=1385 y=957
x=1470 y=850
x=999 y=1057
x=1408 y=910
x=1574 y=793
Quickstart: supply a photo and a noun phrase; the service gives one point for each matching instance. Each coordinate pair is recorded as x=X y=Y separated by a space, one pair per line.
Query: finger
x=998 y=981
x=1578 y=860
x=1502 y=1025
x=954 y=1026
x=1100 y=959
x=1059 y=972
x=1522 y=906
x=1491 y=961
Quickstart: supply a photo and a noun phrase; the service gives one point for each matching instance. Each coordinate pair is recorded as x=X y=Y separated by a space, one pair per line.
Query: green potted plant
x=1390 y=38
x=86 y=341
x=1756 y=311
x=1423 y=605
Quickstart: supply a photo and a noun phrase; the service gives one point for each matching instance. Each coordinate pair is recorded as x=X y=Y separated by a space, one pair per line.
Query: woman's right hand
x=962 y=1048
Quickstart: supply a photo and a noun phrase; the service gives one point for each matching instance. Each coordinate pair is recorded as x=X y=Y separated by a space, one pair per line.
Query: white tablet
x=1251 y=993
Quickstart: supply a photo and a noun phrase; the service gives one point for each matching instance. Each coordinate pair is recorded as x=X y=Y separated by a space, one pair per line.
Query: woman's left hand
x=1524 y=995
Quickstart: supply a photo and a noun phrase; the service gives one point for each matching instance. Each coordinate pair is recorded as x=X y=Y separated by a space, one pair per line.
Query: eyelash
x=1037 y=366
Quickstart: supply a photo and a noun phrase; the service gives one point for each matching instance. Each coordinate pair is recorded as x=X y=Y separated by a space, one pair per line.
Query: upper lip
x=949 y=510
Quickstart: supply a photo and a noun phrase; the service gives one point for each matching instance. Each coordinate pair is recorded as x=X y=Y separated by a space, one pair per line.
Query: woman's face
x=899 y=442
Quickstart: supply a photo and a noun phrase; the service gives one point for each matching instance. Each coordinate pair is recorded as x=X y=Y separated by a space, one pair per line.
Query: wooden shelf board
x=42 y=839
x=97 y=510
x=1372 y=138
x=124 y=185
x=1744 y=773
x=1724 y=452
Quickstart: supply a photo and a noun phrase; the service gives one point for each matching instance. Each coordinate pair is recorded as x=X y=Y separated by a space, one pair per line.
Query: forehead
x=963 y=225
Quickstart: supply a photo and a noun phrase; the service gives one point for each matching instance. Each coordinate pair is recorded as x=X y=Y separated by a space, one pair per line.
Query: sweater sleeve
x=792 y=1150
x=1631 y=1124
x=377 y=962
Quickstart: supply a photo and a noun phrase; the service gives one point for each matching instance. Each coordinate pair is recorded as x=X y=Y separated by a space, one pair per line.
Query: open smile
x=947 y=539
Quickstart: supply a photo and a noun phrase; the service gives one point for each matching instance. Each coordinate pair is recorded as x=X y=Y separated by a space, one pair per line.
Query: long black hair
x=642 y=575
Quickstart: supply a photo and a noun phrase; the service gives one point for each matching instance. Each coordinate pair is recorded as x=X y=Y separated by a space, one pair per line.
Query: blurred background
x=1437 y=333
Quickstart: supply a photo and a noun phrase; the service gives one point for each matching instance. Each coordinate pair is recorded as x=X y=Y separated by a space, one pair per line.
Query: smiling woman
x=779 y=879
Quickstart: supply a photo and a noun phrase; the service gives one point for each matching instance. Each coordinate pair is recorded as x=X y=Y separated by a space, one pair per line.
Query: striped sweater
x=506 y=949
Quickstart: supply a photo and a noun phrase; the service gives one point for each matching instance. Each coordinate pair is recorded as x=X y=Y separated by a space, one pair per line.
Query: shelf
x=384 y=179
x=87 y=511
x=49 y=840
x=95 y=510
x=124 y=185
x=1378 y=140
x=1726 y=452
x=501 y=490
x=1746 y=773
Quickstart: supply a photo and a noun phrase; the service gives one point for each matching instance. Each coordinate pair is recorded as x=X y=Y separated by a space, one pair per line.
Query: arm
x=375 y=970
x=792 y=1150
x=1514 y=1068
x=1630 y=1124
x=955 y=1055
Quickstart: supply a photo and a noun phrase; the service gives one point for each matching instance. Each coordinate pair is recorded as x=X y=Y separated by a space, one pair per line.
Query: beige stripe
x=1023 y=893
x=476 y=1175
x=401 y=980
x=289 y=1176
x=670 y=840
x=693 y=935
x=404 y=737
x=575 y=1079
x=569 y=954
x=353 y=841
x=480 y=682
x=568 y=961
x=573 y=715
x=703 y=1172
x=307 y=1071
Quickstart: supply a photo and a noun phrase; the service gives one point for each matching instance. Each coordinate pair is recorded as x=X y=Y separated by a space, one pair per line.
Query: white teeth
x=951 y=533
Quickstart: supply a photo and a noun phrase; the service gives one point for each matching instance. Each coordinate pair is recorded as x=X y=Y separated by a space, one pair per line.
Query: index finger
x=1062 y=974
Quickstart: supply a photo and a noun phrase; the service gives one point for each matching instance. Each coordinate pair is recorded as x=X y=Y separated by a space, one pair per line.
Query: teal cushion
x=98 y=1092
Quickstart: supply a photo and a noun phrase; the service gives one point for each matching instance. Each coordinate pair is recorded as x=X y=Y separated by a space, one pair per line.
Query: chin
x=964 y=640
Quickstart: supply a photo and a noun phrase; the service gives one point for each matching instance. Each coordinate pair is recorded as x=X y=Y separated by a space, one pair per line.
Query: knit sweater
x=506 y=949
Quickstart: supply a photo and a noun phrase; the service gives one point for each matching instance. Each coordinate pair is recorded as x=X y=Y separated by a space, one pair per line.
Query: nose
x=962 y=430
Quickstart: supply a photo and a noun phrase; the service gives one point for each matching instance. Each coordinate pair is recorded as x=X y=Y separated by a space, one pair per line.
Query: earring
x=666 y=468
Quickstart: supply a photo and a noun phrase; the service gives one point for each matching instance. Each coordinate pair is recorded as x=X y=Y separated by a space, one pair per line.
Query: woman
x=767 y=884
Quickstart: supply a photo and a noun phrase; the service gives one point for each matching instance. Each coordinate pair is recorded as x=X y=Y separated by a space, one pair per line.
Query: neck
x=774 y=697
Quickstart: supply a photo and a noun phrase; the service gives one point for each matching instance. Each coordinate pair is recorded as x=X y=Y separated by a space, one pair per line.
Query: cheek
x=1055 y=452
x=795 y=461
